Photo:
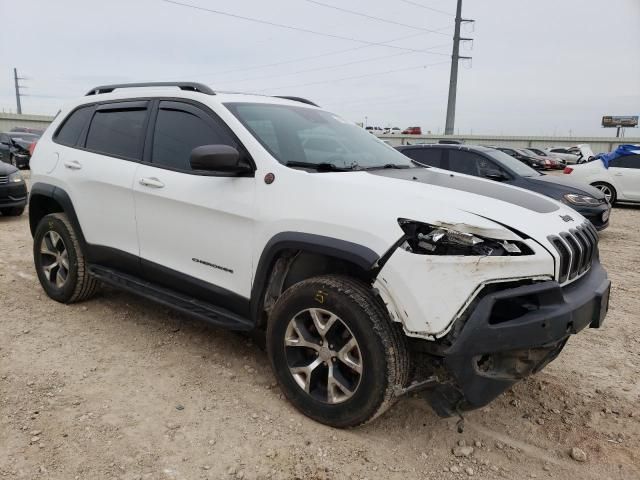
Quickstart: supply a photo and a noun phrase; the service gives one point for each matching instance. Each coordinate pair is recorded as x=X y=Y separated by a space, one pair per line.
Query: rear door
x=99 y=150
x=626 y=175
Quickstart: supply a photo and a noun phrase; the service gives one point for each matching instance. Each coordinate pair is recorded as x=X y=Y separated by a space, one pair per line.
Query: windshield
x=516 y=166
x=300 y=136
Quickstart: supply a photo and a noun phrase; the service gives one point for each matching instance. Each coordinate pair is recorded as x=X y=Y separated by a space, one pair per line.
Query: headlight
x=15 y=177
x=425 y=239
x=577 y=199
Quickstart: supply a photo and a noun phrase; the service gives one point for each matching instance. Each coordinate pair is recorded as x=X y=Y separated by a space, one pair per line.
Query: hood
x=556 y=187
x=434 y=192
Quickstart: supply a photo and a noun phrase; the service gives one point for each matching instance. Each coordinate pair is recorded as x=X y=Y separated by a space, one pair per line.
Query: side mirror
x=218 y=158
x=496 y=175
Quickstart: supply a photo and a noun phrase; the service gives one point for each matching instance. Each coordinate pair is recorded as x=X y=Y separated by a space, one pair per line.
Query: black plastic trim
x=297 y=99
x=184 y=303
x=560 y=312
x=363 y=257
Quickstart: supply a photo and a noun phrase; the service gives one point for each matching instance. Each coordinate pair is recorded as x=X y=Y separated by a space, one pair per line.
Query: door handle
x=151 y=182
x=72 y=165
x=618 y=174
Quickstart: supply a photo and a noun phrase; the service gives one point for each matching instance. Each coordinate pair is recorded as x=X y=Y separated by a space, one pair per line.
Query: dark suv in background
x=496 y=165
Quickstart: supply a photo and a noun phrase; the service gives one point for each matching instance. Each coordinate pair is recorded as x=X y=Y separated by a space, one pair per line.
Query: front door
x=195 y=229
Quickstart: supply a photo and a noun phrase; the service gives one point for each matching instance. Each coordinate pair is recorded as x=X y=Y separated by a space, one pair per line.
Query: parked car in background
x=528 y=159
x=541 y=153
x=35 y=131
x=13 y=191
x=412 y=131
x=393 y=131
x=16 y=148
x=619 y=183
x=576 y=154
x=374 y=130
x=549 y=162
x=496 y=165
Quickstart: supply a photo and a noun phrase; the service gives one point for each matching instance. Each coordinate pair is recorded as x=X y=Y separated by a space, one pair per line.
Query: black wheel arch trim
x=62 y=198
x=359 y=255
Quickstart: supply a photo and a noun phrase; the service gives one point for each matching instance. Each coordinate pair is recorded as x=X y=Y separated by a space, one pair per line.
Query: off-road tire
x=384 y=354
x=79 y=285
x=12 y=211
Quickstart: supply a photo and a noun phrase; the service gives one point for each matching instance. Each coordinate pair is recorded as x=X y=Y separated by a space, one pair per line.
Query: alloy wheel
x=54 y=259
x=606 y=190
x=323 y=355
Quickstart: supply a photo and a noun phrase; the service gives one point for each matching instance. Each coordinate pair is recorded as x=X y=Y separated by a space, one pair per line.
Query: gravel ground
x=121 y=388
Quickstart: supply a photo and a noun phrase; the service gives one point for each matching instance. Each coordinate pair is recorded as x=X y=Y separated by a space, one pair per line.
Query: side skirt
x=205 y=311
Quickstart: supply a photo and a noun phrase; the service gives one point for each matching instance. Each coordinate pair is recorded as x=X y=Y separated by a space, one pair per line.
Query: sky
x=539 y=67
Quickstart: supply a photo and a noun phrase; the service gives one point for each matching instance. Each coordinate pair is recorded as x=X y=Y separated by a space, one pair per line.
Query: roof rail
x=297 y=99
x=188 y=86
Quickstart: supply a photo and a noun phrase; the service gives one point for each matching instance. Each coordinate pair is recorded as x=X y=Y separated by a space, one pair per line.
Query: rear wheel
x=337 y=356
x=12 y=212
x=60 y=262
x=608 y=191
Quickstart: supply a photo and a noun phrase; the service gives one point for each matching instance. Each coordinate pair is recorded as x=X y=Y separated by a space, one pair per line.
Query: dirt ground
x=121 y=388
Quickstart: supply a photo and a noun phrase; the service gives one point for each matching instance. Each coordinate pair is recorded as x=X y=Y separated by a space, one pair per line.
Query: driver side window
x=180 y=128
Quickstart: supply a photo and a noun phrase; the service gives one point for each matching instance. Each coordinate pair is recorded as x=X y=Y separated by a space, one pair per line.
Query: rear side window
x=179 y=129
x=626 y=161
x=425 y=156
x=72 y=128
x=464 y=162
x=117 y=131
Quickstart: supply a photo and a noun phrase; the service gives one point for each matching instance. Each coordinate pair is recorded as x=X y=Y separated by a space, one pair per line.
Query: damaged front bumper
x=508 y=334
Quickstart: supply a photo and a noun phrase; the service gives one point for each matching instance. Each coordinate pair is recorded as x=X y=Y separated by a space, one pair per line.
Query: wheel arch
x=44 y=199
x=290 y=257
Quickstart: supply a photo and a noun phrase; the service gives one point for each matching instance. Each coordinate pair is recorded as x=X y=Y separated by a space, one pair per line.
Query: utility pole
x=453 y=78
x=16 y=78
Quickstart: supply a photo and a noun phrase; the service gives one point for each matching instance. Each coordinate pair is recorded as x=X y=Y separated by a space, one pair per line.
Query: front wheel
x=60 y=262
x=609 y=192
x=335 y=353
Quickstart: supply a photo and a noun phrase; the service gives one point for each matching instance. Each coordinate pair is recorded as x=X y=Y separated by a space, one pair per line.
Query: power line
x=355 y=62
x=371 y=17
x=415 y=4
x=358 y=76
x=288 y=27
x=327 y=54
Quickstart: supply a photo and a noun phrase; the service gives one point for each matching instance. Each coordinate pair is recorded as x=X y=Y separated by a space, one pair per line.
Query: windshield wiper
x=389 y=165
x=324 y=166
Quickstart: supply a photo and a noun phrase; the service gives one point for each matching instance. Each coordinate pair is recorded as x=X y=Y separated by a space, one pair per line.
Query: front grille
x=4 y=180
x=576 y=248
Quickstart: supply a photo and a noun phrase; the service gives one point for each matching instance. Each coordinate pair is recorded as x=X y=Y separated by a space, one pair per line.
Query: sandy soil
x=121 y=388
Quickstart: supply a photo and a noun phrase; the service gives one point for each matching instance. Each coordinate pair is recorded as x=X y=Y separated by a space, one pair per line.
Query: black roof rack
x=188 y=86
x=297 y=99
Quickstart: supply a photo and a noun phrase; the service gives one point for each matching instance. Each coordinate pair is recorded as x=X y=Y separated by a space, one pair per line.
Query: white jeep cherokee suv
x=370 y=276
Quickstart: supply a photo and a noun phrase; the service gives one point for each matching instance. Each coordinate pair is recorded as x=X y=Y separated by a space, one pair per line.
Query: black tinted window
x=117 y=132
x=178 y=132
x=425 y=156
x=464 y=162
x=626 y=161
x=73 y=126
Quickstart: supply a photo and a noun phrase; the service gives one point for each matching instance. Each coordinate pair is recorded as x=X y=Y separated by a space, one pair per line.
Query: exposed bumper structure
x=510 y=333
